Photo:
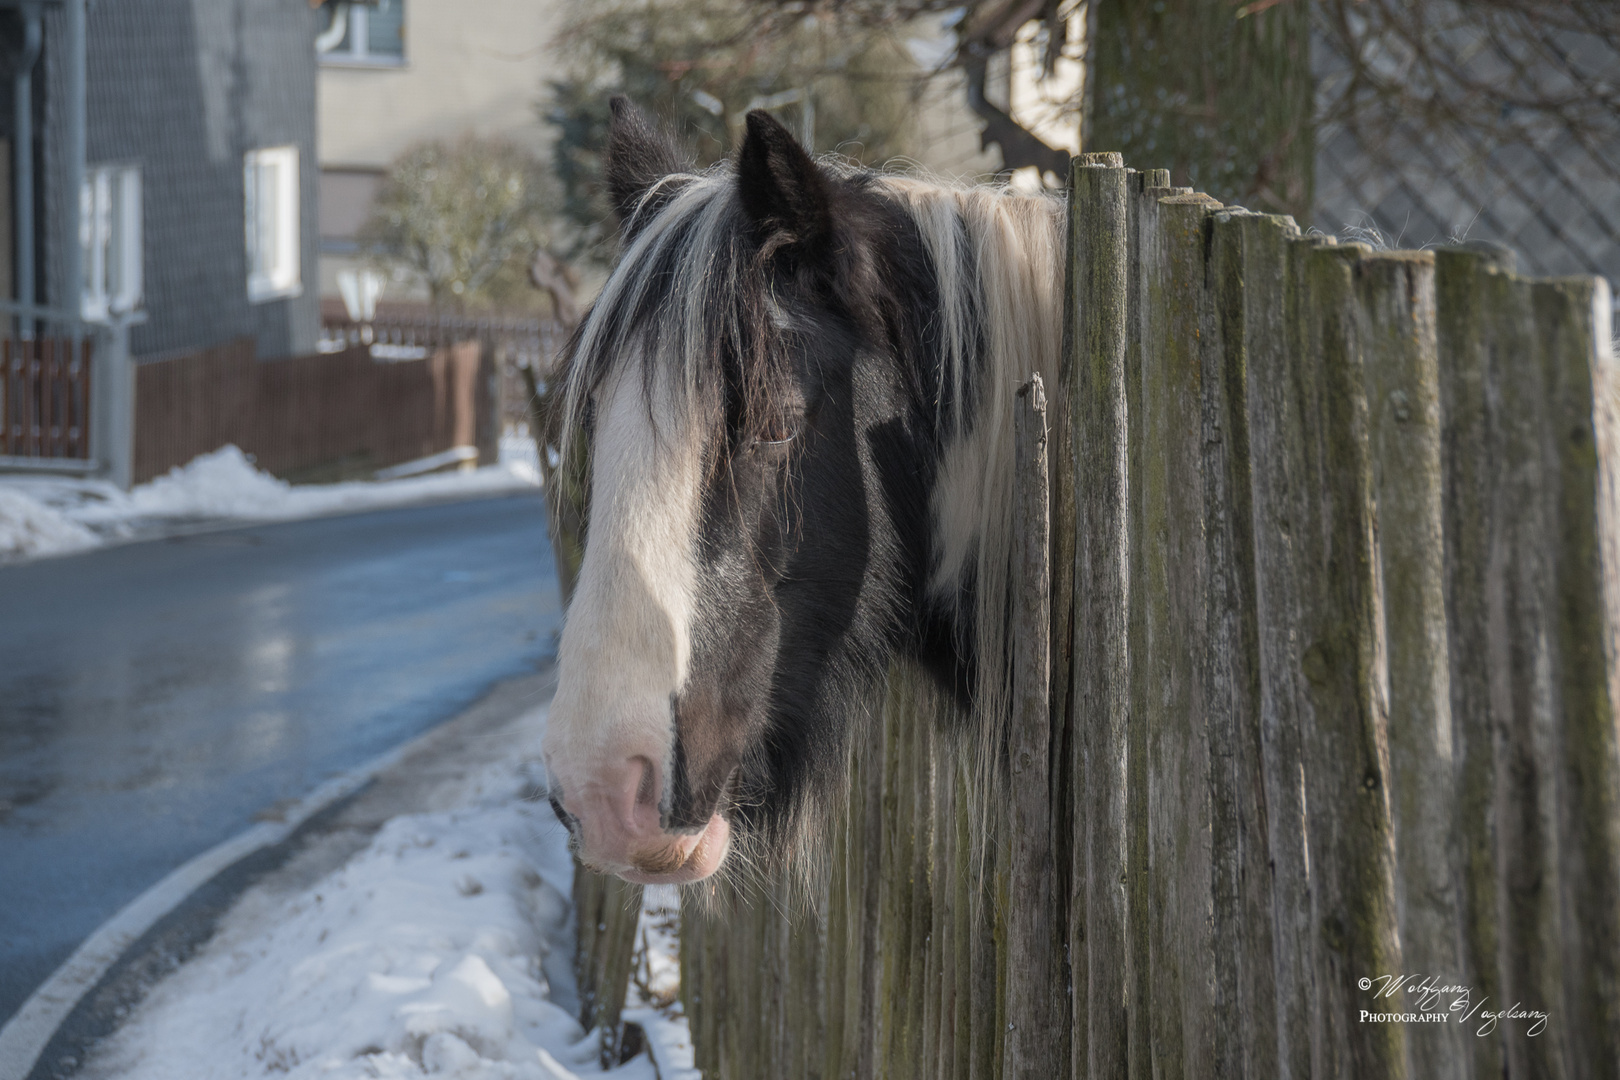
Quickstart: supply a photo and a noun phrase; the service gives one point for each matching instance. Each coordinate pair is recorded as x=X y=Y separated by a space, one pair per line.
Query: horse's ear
x=783 y=191
x=638 y=156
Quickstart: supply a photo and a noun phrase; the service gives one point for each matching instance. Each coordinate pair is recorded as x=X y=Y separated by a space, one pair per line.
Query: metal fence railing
x=413 y=335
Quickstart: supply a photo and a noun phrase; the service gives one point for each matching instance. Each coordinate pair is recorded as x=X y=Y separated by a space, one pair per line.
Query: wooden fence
x=1335 y=584
x=45 y=397
x=315 y=417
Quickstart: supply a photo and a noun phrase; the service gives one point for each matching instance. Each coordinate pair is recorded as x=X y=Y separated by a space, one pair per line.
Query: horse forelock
x=688 y=299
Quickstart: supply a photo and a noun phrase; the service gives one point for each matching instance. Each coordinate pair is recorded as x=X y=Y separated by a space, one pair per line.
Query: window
x=346 y=196
x=110 y=241
x=363 y=33
x=270 y=182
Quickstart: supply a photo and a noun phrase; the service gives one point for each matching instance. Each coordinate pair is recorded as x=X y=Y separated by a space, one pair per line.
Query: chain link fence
x=1544 y=181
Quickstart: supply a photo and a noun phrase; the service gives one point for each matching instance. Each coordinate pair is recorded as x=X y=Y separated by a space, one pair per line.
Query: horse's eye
x=773 y=450
x=776 y=449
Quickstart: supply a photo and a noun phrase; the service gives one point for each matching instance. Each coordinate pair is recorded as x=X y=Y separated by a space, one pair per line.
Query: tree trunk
x=1219 y=92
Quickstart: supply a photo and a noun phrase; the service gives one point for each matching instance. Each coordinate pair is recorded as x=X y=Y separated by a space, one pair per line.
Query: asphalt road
x=156 y=697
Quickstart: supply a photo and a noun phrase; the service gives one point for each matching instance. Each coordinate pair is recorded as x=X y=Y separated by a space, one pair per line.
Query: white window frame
x=359 y=51
x=110 y=242
x=272 y=227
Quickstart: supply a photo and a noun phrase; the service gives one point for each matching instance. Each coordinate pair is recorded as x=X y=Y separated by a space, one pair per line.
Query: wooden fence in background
x=323 y=416
x=1335 y=585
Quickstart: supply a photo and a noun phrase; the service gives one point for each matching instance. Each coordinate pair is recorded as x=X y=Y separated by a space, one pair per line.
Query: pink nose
x=620 y=830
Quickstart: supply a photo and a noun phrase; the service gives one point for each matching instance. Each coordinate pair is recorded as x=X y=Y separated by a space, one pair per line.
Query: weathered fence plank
x=1246 y=982
x=1030 y=1047
x=1167 y=677
x=980 y=872
x=1277 y=479
x=1578 y=364
x=924 y=975
x=1527 y=607
x=1398 y=332
x=1524 y=660
x=1465 y=304
x=606 y=912
x=936 y=985
x=1098 y=923
x=1343 y=704
x=1138 y=963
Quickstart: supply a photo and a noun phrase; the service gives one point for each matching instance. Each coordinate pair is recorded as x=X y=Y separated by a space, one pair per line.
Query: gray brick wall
x=183 y=88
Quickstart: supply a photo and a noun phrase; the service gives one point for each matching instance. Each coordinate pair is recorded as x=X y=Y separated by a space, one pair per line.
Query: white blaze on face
x=626 y=643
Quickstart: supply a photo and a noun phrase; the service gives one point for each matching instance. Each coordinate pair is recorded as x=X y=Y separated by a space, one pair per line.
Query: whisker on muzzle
x=667 y=861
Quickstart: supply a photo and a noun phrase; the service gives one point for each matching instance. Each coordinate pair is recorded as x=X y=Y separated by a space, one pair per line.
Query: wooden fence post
x=893 y=883
x=1338 y=667
x=1397 y=329
x=1582 y=451
x=1276 y=472
x=1464 y=319
x=921 y=953
x=606 y=912
x=1168 y=629
x=1138 y=916
x=1526 y=370
x=1242 y=926
x=1097 y=923
x=1029 y=1049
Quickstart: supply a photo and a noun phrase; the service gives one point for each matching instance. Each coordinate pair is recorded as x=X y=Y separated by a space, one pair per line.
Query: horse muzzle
x=617 y=827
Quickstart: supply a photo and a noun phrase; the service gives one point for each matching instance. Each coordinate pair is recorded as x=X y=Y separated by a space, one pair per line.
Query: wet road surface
x=155 y=697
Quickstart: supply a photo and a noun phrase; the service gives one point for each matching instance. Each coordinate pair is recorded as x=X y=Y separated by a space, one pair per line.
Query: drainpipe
x=73 y=182
x=113 y=401
x=23 y=162
x=328 y=40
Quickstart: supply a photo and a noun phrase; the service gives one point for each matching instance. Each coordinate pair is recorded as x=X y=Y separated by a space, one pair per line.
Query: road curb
x=31 y=1029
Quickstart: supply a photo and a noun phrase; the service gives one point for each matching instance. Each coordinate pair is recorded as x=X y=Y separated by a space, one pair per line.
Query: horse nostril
x=562 y=815
x=647 y=790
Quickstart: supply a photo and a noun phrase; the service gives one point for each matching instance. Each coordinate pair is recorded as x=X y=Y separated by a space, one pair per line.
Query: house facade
x=157 y=196
x=199 y=169
x=394 y=73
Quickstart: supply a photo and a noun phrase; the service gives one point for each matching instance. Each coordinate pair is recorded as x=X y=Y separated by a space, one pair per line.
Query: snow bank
x=29 y=527
x=43 y=515
x=425 y=955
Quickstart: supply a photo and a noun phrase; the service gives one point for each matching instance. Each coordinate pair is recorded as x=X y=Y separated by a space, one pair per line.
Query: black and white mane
x=837 y=350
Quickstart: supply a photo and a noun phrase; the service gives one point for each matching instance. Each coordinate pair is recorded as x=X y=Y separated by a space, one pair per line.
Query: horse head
x=768 y=390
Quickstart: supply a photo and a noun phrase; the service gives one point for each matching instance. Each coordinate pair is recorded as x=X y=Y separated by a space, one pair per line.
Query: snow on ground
x=424 y=955
x=653 y=1001
x=31 y=526
x=53 y=515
